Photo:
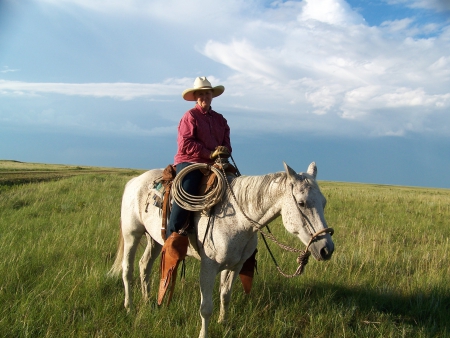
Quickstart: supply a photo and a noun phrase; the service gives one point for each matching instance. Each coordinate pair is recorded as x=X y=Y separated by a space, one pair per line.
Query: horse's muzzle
x=326 y=252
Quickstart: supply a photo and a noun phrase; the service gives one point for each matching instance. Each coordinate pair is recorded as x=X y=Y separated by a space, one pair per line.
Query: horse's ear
x=289 y=171
x=312 y=170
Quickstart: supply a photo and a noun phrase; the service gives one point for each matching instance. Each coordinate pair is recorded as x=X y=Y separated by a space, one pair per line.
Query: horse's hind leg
x=131 y=242
x=227 y=279
x=146 y=262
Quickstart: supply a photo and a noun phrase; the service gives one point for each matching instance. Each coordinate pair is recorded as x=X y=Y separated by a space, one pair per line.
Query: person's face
x=203 y=98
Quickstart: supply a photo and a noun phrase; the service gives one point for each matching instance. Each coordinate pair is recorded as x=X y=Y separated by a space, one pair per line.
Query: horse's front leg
x=208 y=274
x=227 y=279
x=151 y=252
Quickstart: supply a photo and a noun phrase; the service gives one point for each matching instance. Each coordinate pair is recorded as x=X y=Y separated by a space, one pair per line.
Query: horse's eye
x=302 y=204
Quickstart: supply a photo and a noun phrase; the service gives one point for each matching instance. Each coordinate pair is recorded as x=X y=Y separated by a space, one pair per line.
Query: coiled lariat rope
x=198 y=203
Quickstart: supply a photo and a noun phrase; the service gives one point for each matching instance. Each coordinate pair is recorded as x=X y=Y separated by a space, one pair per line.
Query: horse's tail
x=117 y=265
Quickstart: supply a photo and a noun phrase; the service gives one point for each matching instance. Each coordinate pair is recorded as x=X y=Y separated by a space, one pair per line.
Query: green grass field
x=388 y=277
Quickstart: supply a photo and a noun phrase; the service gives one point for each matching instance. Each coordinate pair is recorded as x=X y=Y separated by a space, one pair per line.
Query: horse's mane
x=244 y=188
x=270 y=185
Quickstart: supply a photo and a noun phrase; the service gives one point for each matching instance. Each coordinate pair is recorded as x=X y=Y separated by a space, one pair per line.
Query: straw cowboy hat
x=202 y=83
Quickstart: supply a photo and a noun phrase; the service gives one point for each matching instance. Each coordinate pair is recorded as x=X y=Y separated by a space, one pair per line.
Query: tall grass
x=387 y=278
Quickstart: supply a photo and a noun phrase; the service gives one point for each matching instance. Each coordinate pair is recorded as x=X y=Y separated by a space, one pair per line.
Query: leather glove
x=220 y=150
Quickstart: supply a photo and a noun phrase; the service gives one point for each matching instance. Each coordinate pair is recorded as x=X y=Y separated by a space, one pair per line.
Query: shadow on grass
x=291 y=307
x=426 y=310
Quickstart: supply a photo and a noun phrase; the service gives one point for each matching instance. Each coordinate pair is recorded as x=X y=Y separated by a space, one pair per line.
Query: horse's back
x=136 y=192
x=142 y=181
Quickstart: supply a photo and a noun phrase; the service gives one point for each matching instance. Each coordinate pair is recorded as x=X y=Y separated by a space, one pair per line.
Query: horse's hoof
x=128 y=309
x=222 y=321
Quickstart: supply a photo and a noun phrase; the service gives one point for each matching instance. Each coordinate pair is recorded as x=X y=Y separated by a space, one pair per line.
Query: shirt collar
x=201 y=109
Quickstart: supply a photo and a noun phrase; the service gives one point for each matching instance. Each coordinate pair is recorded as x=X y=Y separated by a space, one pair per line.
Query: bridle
x=309 y=227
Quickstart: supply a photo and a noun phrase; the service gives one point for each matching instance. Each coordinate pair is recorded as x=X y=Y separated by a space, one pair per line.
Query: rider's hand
x=221 y=151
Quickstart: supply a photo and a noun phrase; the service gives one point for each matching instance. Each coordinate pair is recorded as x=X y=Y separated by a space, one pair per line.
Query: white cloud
x=437 y=5
x=397 y=25
x=175 y=11
x=351 y=70
x=312 y=61
x=6 y=69
x=442 y=64
x=124 y=91
x=406 y=97
x=379 y=97
x=123 y=6
x=333 y=12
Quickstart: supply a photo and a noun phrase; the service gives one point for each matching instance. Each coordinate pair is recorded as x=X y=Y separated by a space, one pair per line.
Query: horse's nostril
x=325 y=253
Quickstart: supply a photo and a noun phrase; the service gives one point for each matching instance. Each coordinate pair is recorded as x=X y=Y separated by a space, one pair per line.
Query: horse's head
x=303 y=211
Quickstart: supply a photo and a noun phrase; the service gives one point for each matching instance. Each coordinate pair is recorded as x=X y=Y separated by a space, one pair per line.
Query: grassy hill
x=16 y=172
x=59 y=225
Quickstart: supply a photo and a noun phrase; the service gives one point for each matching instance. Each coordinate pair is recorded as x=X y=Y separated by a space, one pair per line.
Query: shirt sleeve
x=187 y=141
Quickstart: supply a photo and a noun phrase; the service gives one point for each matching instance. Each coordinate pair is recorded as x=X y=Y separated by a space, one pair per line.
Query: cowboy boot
x=247 y=272
x=172 y=253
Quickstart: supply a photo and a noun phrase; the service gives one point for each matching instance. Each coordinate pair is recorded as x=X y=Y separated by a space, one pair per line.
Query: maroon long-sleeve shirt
x=199 y=133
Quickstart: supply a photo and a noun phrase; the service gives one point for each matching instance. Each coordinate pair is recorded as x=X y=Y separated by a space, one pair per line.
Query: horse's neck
x=259 y=196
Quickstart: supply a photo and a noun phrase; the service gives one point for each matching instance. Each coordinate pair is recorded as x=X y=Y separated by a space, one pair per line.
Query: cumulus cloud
x=313 y=60
x=341 y=65
x=333 y=12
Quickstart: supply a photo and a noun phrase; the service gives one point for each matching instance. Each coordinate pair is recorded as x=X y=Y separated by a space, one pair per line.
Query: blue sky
x=360 y=87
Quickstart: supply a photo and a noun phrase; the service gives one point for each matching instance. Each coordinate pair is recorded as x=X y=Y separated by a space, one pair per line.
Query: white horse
x=232 y=238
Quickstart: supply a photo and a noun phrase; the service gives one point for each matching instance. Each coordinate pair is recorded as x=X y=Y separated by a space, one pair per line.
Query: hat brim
x=188 y=94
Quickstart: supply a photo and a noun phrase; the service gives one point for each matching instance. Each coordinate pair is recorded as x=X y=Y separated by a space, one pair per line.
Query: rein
x=302 y=259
